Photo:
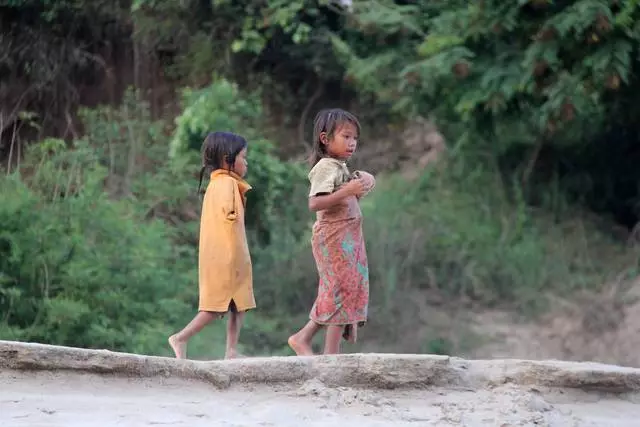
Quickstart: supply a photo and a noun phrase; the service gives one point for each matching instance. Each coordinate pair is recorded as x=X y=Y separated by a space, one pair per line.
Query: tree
x=520 y=78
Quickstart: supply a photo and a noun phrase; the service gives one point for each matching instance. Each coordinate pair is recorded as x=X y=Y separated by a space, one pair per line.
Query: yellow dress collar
x=242 y=184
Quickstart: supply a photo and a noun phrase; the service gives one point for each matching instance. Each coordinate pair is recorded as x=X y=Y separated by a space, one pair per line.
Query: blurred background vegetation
x=504 y=136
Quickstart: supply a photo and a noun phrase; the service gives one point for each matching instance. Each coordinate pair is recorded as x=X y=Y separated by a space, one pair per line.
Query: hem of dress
x=229 y=308
x=222 y=314
x=358 y=322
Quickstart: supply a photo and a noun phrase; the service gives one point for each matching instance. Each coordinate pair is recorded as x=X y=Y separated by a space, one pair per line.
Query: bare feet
x=300 y=347
x=179 y=347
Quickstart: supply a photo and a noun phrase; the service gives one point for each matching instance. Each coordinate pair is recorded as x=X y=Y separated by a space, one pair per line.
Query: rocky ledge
x=375 y=371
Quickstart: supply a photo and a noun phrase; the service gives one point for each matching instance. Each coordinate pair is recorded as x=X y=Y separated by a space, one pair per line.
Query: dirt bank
x=56 y=386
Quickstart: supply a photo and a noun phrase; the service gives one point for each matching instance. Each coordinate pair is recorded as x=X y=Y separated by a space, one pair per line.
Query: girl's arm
x=225 y=197
x=326 y=201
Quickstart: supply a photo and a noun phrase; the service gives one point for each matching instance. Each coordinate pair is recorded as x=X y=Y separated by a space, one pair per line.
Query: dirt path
x=82 y=400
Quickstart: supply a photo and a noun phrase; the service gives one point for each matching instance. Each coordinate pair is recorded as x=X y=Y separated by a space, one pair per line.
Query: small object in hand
x=368 y=180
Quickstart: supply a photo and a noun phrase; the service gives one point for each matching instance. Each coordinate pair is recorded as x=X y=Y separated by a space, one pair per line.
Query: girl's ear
x=226 y=162
x=323 y=138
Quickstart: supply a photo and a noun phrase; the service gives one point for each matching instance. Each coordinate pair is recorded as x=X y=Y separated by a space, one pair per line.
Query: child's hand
x=355 y=187
x=368 y=180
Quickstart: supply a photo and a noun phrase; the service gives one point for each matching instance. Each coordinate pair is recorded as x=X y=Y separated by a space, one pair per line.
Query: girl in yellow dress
x=225 y=271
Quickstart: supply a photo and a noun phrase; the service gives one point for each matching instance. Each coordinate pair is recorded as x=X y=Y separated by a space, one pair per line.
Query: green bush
x=220 y=107
x=84 y=270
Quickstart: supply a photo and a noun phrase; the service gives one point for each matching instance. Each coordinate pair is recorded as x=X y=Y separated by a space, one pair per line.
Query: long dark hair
x=218 y=148
x=328 y=121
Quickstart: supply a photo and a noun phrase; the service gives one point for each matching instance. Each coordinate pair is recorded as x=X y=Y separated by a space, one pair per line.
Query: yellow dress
x=225 y=275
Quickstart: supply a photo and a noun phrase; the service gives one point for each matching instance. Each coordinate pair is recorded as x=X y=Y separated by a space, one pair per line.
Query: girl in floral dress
x=338 y=243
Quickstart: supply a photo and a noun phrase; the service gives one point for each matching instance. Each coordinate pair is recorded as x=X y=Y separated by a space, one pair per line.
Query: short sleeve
x=323 y=178
x=226 y=197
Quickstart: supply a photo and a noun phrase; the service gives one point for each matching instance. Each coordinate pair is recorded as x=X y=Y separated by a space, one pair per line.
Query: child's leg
x=178 y=342
x=233 y=334
x=332 y=339
x=300 y=342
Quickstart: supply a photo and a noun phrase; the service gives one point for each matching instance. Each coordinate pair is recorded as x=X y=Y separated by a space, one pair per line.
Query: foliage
x=481 y=246
x=526 y=80
x=547 y=87
x=81 y=269
x=50 y=52
x=219 y=106
x=99 y=240
x=98 y=244
x=85 y=252
x=454 y=242
x=547 y=65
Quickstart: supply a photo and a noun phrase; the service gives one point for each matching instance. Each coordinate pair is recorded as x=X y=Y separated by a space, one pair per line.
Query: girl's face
x=343 y=142
x=241 y=165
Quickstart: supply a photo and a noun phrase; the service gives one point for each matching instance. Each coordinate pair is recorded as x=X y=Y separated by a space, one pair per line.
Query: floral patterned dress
x=339 y=251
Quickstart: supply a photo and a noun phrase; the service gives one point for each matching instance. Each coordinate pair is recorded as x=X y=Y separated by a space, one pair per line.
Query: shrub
x=79 y=268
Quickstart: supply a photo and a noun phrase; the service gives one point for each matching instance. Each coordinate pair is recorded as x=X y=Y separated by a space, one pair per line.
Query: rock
x=538 y=404
x=368 y=371
x=363 y=390
x=313 y=387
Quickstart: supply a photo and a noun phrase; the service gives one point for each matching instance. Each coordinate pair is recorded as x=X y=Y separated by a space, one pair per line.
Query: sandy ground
x=82 y=400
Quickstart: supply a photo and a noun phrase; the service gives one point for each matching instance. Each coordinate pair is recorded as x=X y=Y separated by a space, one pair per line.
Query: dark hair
x=218 y=148
x=328 y=121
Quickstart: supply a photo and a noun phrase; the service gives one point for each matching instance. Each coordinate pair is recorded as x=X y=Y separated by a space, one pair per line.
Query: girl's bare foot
x=299 y=346
x=179 y=347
